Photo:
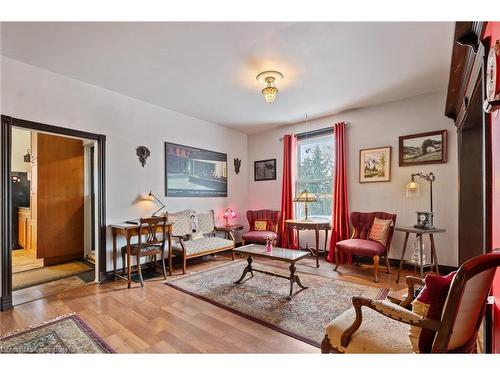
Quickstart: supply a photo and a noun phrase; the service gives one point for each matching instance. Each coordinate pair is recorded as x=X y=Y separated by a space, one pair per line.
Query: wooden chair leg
x=232 y=255
x=376 y=260
x=124 y=266
x=242 y=242
x=326 y=347
x=336 y=253
x=139 y=272
x=387 y=264
x=163 y=265
x=169 y=263
x=184 y=263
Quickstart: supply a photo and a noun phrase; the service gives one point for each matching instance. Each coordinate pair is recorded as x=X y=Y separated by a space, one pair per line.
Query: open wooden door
x=60 y=198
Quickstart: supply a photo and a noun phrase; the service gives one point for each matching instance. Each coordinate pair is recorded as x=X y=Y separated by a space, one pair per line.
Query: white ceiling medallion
x=270 y=77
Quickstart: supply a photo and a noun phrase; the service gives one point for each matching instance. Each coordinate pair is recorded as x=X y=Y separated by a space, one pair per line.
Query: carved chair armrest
x=411 y=281
x=389 y=310
x=183 y=237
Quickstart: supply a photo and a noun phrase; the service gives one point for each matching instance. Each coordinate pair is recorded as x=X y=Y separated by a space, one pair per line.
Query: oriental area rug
x=65 y=334
x=263 y=298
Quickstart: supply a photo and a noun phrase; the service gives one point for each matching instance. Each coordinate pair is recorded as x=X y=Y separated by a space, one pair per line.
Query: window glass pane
x=315 y=173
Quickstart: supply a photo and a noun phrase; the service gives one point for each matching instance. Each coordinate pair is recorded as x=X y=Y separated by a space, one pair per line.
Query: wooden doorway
x=50 y=138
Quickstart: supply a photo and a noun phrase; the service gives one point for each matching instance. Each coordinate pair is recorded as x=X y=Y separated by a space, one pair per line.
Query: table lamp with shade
x=151 y=197
x=228 y=214
x=425 y=219
x=306 y=197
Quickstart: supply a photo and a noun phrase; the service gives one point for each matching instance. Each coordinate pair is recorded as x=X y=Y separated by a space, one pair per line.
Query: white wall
x=21 y=141
x=375 y=127
x=34 y=94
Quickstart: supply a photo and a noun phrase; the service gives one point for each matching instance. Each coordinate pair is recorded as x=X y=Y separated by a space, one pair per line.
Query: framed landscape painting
x=265 y=170
x=194 y=172
x=423 y=148
x=375 y=164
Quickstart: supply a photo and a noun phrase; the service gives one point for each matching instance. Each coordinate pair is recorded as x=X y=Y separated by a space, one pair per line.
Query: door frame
x=7 y=123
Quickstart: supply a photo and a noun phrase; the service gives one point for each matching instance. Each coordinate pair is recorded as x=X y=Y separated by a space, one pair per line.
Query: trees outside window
x=315 y=165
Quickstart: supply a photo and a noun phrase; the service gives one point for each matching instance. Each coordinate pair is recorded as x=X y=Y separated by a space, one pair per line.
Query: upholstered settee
x=260 y=236
x=194 y=235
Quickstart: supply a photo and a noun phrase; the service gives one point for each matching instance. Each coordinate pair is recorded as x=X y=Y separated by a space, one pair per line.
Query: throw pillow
x=429 y=304
x=380 y=230
x=260 y=225
x=197 y=236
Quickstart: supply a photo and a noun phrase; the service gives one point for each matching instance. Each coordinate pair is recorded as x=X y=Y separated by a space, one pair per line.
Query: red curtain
x=287 y=236
x=340 y=210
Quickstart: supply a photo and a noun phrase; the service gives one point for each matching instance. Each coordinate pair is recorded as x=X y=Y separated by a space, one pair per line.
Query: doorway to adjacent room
x=55 y=210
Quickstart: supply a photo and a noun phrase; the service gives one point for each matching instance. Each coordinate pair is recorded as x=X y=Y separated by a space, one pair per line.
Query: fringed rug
x=64 y=334
x=263 y=298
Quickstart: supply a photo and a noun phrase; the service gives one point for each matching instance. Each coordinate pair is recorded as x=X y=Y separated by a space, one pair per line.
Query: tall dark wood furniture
x=464 y=104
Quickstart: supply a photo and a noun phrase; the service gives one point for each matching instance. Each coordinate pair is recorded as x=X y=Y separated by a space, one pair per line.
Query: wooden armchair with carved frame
x=456 y=331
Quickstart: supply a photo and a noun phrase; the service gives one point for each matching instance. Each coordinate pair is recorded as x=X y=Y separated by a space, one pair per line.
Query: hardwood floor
x=24 y=260
x=160 y=319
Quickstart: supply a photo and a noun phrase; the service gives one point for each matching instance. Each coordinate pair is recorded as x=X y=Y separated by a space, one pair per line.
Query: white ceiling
x=207 y=70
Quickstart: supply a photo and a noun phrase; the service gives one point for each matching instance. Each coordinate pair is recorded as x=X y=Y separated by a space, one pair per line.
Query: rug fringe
x=38 y=325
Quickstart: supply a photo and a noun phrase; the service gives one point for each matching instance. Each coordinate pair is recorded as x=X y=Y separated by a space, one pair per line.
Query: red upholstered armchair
x=259 y=236
x=359 y=244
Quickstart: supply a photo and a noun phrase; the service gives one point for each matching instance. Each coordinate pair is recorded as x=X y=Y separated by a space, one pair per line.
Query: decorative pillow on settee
x=429 y=304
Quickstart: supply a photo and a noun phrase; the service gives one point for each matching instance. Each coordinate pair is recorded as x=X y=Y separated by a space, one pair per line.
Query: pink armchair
x=359 y=244
x=259 y=236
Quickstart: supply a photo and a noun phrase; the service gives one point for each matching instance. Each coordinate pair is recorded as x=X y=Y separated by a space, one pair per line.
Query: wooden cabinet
x=24 y=228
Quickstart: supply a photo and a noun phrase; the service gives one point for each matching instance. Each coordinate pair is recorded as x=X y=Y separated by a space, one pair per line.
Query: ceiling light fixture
x=269 y=77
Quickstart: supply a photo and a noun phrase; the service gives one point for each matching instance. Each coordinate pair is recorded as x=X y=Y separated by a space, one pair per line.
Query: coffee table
x=277 y=253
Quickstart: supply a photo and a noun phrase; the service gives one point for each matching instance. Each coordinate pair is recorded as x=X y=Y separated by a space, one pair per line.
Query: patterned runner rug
x=263 y=298
x=64 y=334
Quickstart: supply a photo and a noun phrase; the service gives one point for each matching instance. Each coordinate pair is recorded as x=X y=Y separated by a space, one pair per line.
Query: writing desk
x=129 y=230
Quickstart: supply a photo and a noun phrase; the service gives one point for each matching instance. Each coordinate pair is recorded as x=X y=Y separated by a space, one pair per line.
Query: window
x=315 y=163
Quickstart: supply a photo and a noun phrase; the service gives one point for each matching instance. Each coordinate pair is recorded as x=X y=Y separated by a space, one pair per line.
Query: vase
x=269 y=246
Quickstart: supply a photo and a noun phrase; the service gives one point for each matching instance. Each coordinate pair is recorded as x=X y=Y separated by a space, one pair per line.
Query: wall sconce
x=228 y=214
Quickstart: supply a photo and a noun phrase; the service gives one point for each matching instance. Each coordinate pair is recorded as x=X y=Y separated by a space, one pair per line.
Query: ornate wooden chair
x=150 y=246
x=382 y=326
x=260 y=236
x=359 y=244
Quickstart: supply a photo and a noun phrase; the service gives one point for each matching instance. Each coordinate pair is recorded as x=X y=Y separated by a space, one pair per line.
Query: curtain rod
x=316 y=132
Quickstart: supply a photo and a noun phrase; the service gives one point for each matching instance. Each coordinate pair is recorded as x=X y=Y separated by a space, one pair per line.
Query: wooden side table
x=229 y=229
x=316 y=226
x=419 y=234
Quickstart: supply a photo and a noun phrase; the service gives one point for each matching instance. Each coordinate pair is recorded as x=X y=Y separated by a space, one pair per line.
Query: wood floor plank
x=161 y=319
